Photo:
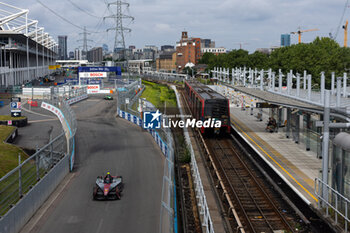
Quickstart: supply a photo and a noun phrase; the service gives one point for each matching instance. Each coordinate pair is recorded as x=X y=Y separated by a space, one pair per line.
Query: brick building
x=188 y=50
x=166 y=62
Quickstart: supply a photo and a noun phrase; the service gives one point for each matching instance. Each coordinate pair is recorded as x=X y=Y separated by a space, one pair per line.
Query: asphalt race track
x=105 y=143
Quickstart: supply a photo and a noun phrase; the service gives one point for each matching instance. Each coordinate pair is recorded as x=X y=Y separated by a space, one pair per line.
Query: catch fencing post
x=51 y=149
x=37 y=162
x=19 y=176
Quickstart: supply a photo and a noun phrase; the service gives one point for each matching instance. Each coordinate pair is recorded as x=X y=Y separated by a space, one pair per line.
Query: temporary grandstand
x=26 y=50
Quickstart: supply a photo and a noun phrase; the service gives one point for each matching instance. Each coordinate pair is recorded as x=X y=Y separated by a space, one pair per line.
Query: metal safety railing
x=332 y=203
x=21 y=179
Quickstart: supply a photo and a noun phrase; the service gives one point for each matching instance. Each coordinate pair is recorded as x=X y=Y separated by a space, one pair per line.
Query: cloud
x=162 y=28
x=159 y=22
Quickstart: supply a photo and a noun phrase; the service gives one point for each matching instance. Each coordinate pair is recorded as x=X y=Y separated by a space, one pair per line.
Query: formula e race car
x=108 y=97
x=108 y=189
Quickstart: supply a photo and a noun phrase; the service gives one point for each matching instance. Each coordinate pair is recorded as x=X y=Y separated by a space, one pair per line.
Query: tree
x=323 y=54
x=188 y=70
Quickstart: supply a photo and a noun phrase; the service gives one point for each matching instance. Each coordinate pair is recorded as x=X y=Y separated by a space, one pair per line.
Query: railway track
x=250 y=208
x=251 y=194
x=256 y=210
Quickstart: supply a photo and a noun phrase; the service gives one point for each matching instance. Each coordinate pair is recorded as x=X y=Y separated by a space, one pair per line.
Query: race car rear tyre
x=94 y=191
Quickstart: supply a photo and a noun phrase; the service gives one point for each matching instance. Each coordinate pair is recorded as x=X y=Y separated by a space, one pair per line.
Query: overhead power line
x=81 y=9
x=66 y=20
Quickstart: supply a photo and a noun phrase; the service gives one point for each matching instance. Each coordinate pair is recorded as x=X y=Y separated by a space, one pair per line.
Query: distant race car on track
x=108 y=188
x=108 y=97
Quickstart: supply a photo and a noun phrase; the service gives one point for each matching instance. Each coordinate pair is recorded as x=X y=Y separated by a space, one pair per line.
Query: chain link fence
x=131 y=106
x=23 y=178
x=28 y=172
x=62 y=101
x=24 y=189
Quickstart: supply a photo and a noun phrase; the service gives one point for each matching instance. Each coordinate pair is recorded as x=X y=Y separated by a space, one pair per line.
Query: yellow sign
x=58 y=66
x=52 y=67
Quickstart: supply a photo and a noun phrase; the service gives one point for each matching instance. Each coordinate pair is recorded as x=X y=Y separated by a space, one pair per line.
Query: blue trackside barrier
x=1 y=103
x=138 y=121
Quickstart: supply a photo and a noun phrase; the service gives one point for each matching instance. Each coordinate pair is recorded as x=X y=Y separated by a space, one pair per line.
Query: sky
x=253 y=23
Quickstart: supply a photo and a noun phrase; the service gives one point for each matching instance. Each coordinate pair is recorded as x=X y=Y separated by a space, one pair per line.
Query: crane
x=345 y=27
x=299 y=32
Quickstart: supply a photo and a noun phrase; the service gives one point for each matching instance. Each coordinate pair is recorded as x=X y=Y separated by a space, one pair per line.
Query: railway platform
x=297 y=167
x=290 y=159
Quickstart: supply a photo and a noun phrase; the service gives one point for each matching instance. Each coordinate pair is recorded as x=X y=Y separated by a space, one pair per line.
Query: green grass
x=159 y=94
x=8 y=153
x=8 y=161
x=8 y=118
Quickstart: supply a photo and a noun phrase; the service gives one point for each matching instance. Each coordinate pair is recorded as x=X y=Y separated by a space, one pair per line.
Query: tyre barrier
x=18 y=123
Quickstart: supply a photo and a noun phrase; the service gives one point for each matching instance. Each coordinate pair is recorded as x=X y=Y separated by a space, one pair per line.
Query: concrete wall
x=20 y=214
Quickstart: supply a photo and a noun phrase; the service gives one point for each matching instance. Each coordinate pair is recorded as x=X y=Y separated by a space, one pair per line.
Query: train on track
x=205 y=103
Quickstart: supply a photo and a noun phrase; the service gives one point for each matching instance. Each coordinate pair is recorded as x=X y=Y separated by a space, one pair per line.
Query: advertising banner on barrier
x=57 y=112
x=93 y=89
x=136 y=120
x=93 y=74
x=66 y=128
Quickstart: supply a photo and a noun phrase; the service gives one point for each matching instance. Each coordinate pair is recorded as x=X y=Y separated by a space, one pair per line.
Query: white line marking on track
x=35 y=121
x=99 y=225
x=27 y=110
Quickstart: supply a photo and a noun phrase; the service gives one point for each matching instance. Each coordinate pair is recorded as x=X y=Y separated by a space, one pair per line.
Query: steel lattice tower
x=85 y=42
x=119 y=41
